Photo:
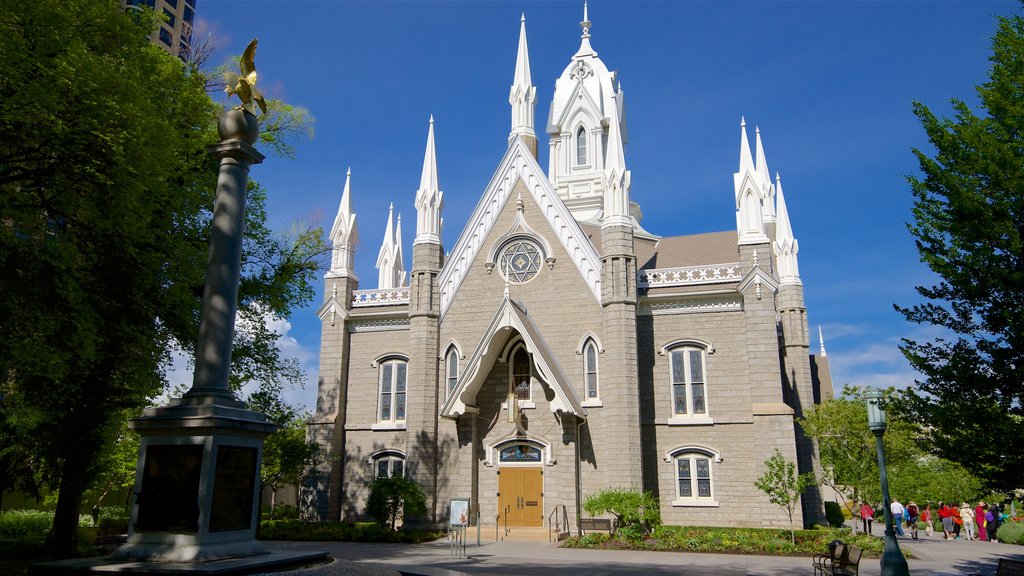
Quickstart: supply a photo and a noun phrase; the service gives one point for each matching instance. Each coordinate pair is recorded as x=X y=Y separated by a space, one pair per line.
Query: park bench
x=820 y=561
x=843 y=561
x=109 y=542
x=1008 y=567
x=597 y=525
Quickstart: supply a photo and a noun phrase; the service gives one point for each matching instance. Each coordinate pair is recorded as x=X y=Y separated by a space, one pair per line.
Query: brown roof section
x=677 y=251
x=692 y=250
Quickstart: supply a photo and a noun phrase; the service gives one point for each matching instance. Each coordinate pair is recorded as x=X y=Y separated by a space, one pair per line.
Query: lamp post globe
x=893 y=563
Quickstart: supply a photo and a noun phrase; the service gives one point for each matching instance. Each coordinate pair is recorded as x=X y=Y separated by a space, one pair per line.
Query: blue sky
x=830 y=84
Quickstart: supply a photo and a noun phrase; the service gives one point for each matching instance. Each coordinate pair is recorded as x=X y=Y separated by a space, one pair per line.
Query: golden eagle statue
x=244 y=85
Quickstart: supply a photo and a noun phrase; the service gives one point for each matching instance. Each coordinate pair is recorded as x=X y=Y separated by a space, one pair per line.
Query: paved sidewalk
x=934 y=557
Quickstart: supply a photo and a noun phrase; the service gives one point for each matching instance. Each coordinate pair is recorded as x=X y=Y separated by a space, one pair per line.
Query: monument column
x=196 y=495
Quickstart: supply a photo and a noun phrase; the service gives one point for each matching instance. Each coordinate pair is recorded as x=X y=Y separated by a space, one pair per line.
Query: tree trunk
x=64 y=534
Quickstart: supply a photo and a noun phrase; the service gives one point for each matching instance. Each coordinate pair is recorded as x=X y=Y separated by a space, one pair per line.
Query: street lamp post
x=893 y=563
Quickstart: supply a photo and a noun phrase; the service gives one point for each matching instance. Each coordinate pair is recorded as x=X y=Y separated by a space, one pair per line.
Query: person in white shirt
x=897 y=516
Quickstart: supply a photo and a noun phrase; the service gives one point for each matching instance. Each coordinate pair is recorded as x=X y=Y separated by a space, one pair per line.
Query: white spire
x=617 y=178
x=821 y=339
x=390 y=270
x=523 y=95
x=429 y=198
x=746 y=162
x=399 y=260
x=749 y=199
x=764 y=178
x=786 y=246
x=585 y=48
x=344 y=234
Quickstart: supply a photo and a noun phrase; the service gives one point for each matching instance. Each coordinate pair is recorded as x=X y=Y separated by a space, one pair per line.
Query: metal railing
x=557 y=523
x=497 y=522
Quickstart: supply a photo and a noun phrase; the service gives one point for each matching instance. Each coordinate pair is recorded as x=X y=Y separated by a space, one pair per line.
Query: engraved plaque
x=169 y=500
x=233 y=484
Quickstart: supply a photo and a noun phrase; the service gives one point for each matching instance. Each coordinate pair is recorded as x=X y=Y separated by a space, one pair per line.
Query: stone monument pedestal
x=197 y=482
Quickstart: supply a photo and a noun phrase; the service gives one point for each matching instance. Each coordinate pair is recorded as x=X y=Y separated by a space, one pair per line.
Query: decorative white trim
x=684 y=420
x=589 y=335
x=695 y=342
x=690 y=305
x=547 y=456
x=518 y=164
x=388 y=425
x=695 y=503
x=378 y=324
x=388 y=356
x=689 y=275
x=380 y=297
x=452 y=343
x=593 y=403
x=384 y=452
x=716 y=456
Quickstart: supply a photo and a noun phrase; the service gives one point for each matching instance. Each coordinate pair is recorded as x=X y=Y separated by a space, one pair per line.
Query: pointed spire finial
x=429 y=198
x=344 y=234
x=586 y=22
x=821 y=339
x=522 y=96
x=746 y=161
x=762 y=164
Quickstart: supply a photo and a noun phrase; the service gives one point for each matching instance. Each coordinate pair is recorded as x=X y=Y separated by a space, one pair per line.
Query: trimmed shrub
x=732 y=540
x=298 y=530
x=834 y=514
x=637 y=512
x=394 y=498
x=1011 y=532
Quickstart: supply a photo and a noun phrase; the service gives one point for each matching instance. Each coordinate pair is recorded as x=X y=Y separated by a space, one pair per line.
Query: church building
x=558 y=347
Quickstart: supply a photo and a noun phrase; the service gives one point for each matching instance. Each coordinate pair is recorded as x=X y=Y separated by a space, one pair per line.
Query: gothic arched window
x=520 y=378
x=590 y=370
x=451 y=364
x=393 y=375
x=581 y=146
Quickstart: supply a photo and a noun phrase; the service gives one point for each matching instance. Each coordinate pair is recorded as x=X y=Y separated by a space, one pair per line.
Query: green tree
x=393 y=498
x=968 y=225
x=105 y=197
x=784 y=486
x=847 y=447
x=287 y=455
x=849 y=459
x=637 y=512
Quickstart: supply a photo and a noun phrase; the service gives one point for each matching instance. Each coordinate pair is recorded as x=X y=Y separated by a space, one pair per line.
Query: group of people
x=981 y=521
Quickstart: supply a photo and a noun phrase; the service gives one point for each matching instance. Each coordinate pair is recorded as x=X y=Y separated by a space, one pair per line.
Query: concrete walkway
x=934 y=557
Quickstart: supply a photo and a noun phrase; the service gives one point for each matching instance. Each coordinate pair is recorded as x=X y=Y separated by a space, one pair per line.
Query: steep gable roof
x=510 y=315
x=518 y=164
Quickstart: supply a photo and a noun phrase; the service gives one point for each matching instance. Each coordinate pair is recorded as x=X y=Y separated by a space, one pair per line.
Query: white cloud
x=179 y=370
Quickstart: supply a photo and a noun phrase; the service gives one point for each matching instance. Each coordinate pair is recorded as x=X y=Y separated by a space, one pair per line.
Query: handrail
x=560 y=524
x=497 y=522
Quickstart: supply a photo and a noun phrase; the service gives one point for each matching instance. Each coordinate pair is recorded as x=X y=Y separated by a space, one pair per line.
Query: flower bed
x=730 y=541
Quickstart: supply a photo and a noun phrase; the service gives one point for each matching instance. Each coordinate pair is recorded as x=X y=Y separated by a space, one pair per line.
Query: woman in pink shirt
x=867 y=514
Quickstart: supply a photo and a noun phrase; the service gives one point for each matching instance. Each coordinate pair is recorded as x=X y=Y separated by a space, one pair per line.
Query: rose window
x=520 y=261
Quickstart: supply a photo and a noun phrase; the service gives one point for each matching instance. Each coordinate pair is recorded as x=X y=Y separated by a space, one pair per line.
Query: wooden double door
x=521 y=495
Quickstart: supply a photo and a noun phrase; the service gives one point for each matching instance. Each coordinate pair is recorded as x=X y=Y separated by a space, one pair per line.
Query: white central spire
x=429 y=198
x=390 y=268
x=786 y=246
x=344 y=234
x=523 y=95
x=585 y=48
x=765 y=180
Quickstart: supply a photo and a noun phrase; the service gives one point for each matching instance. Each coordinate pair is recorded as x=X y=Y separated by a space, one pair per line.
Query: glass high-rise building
x=175 y=33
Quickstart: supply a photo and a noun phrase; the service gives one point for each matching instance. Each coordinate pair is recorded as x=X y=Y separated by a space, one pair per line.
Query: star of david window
x=520 y=261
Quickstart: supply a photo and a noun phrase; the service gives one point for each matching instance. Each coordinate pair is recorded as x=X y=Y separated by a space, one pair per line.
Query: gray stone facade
x=674 y=364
